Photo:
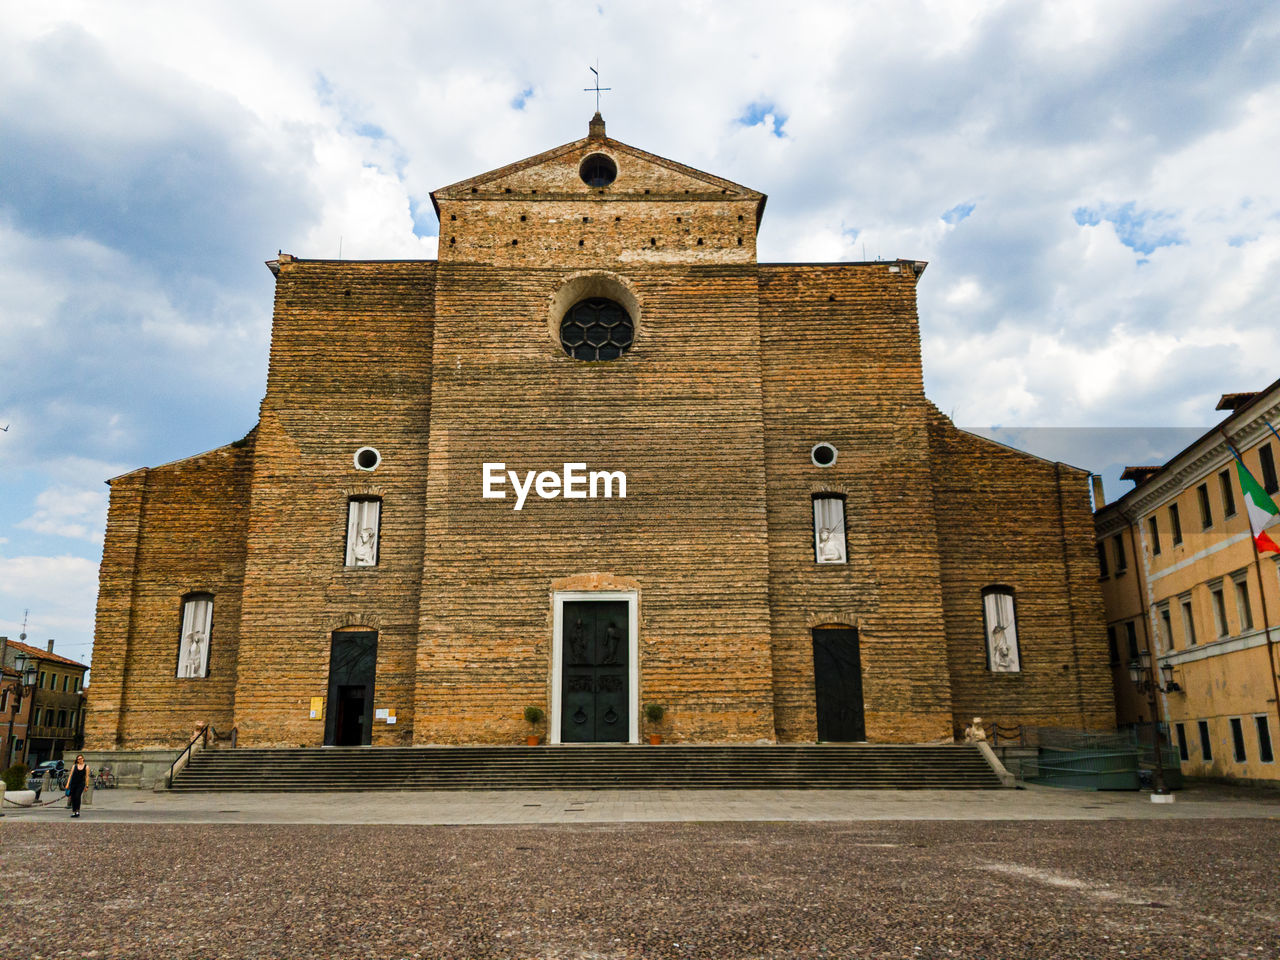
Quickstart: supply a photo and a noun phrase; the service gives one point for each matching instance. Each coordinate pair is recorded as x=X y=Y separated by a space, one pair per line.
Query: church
x=593 y=457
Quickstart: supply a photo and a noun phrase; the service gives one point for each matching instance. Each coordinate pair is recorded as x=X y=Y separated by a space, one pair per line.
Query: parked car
x=56 y=770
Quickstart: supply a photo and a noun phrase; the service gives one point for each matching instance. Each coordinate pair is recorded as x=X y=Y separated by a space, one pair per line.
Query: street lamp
x=26 y=667
x=1137 y=675
x=1142 y=677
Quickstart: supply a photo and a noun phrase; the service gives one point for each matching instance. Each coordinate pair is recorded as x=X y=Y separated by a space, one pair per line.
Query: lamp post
x=26 y=668
x=1141 y=674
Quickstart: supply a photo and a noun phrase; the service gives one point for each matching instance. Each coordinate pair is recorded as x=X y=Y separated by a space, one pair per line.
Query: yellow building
x=1180 y=575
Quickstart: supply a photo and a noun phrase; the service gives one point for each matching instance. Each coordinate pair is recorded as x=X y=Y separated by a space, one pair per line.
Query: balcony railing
x=52 y=733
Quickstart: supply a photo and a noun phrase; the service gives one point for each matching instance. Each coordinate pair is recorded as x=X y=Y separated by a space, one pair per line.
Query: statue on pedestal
x=974 y=732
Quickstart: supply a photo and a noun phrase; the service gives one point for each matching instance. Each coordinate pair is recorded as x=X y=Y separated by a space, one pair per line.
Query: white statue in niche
x=828 y=529
x=1001 y=652
x=193 y=662
x=829 y=549
x=1002 y=632
x=365 y=546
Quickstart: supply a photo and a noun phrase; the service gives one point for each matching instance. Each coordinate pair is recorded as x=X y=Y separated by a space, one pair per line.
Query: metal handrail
x=202 y=731
x=205 y=732
x=232 y=736
x=1011 y=732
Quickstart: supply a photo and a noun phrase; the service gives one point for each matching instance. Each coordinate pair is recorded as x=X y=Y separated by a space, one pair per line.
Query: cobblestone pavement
x=1199 y=888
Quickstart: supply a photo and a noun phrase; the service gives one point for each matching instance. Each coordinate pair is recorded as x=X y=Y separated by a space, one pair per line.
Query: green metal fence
x=1087 y=760
x=1114 y=768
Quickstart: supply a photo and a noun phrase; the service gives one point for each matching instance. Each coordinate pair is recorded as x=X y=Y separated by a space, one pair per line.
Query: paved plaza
x=646 y=806
x=921 y=874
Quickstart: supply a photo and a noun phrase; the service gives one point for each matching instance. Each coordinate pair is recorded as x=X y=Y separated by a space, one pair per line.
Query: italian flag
x=1263 y=512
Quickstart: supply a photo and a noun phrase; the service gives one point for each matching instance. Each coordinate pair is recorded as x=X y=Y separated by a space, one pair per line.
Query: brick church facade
x=596 y=456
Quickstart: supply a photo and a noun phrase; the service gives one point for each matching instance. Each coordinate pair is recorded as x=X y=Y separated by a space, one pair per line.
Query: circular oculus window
x=598 y=170
x=823 y=454
x=367 y=458
x=596 y=329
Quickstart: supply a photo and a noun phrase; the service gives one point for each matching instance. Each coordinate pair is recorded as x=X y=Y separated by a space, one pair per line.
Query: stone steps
x=590 y=767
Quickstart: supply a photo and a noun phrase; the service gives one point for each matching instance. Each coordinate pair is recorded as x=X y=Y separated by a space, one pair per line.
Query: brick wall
x=736 y=371
x=349 y=367
x=171 y=530
x=539 y=211
x=1007 y=517
x=680 y=414
x=114 y=621
x=841 y=356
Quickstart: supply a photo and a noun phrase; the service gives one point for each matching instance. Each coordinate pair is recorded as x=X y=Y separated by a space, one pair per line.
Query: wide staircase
x=857 y=766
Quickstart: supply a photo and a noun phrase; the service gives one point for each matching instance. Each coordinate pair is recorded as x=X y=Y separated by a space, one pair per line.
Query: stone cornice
x=1207 y=455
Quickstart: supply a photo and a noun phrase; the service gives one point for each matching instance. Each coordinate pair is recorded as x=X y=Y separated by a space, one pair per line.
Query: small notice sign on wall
x=317 y=708
x=385 y=713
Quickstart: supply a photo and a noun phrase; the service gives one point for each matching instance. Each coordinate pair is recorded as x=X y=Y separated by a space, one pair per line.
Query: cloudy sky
x=1093 y=183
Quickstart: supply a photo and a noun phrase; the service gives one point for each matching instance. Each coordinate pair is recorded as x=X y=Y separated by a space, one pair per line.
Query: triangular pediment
x=554 y=174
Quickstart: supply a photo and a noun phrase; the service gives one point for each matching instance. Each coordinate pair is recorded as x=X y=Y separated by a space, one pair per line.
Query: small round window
x=823 y=454
x=367 y=458
x=596 y=329
x=598 y=170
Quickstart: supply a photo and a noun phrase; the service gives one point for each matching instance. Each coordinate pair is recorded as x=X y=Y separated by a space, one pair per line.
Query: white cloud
x=69 y=512
x=59 y=592
x=367 y=213
x=889 y=120
x=964 y=292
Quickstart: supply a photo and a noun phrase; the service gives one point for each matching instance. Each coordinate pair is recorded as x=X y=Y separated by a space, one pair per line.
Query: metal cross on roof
x=597 y=88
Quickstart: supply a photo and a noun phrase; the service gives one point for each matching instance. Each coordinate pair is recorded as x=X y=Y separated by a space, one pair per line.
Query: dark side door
x=837 y=682
x=353 y=661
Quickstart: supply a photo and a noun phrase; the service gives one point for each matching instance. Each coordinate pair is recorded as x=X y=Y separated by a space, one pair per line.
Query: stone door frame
x=558 y=600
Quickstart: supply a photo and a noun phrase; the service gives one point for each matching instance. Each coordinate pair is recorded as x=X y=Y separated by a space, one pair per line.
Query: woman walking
x=75 y=785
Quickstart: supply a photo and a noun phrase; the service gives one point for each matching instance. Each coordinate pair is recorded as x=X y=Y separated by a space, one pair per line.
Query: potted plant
x=533 y=715
x=15 y=778
x=654 y=712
